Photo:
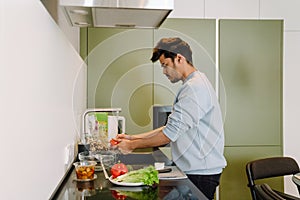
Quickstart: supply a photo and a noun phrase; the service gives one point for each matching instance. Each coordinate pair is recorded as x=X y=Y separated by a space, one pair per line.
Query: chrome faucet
x=115 y=110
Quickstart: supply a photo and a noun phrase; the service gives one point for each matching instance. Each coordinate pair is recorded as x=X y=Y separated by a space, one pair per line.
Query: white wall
x=264 y=9
x=42 y=88
x=42 y=96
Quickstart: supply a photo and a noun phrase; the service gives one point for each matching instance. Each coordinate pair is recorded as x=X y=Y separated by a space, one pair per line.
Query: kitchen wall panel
x=196 y=10
x=292 y=111
x=43 y=93
x=287 y=10
x=242 y=9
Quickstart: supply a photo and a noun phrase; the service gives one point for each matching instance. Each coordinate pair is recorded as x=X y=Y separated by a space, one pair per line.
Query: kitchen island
x=101 y=188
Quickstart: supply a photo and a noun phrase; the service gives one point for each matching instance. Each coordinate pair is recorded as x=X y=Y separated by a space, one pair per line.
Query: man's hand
x=128 y=143
x=124 y=143
x=124 y=136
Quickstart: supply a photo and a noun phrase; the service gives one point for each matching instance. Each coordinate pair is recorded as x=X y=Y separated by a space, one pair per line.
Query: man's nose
x=164 y=71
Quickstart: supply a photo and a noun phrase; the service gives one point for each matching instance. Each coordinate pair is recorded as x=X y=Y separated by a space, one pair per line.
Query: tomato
x=117 y=195
x=113 y=142
x=118 y=169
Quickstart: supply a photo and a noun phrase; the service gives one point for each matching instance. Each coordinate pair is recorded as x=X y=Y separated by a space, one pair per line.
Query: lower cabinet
x=234 y=181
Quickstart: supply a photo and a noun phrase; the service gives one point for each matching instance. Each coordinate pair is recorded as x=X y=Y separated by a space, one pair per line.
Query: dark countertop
x=101 y=188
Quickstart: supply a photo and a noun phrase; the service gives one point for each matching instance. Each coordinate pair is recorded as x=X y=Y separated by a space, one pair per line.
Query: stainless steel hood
x=117 y=13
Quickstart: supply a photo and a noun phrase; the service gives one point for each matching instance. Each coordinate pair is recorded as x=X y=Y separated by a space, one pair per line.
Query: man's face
x=170 y=69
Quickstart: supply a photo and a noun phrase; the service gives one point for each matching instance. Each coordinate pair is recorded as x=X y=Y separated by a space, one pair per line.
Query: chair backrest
x=265 y=192
x=269 y=167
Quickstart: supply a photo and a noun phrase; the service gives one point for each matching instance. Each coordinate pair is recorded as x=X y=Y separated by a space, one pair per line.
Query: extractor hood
x=117 y=13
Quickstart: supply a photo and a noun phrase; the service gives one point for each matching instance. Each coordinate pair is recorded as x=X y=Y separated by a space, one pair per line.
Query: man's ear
x=179 y=58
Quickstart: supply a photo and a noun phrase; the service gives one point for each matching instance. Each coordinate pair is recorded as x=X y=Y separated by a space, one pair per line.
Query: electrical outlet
x=69 y=153
x=72 y=152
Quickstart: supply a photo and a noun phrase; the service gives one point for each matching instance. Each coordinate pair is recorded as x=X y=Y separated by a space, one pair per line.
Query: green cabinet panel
x=120 y=74
x=251 y=70
x=234 y=179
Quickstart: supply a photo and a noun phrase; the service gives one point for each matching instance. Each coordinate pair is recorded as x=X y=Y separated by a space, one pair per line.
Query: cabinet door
x=251 y=70
x=234 y=181
x=120 y=74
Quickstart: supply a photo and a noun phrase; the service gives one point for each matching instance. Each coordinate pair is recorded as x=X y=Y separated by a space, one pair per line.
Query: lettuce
x=148 y=193
x=148 y=176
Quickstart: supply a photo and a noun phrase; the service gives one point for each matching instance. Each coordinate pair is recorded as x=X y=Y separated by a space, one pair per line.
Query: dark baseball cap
x=174 y=45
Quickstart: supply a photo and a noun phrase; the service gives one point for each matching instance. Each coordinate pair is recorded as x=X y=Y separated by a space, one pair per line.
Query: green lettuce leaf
x=148 y=176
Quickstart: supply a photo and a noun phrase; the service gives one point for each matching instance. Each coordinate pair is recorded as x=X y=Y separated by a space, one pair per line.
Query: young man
x=195 y=127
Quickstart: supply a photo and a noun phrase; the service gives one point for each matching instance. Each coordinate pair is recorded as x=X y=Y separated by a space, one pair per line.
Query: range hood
x=117 y=13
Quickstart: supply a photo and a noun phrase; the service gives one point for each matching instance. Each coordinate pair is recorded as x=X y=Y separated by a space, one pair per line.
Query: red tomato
x=113 y=142
x=117 y=195
x=118 y=169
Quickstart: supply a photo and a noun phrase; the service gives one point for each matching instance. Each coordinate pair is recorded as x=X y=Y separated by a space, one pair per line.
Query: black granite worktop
x=101 y=188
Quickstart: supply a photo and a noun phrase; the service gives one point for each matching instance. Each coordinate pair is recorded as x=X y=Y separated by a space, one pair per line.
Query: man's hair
x=170 y=47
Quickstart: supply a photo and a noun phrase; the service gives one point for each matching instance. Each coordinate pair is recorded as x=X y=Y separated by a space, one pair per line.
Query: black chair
x=265 y=192
x=268 y=168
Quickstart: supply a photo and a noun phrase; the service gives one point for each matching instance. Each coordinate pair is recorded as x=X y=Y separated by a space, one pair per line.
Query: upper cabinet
x=251 y=72
x=120 y=73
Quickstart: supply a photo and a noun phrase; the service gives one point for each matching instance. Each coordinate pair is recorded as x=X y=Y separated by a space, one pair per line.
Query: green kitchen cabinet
x=120 y=74
x=234 y=179
x=250 y=65
x=251 y=70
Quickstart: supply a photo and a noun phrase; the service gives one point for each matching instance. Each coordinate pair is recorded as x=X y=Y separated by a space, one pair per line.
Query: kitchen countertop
x=101 y=188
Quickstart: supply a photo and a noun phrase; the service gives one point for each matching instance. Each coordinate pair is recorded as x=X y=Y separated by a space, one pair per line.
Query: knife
x=104 y=170
x=165 y=170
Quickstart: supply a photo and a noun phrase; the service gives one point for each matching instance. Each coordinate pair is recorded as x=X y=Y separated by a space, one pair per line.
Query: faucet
x=115 y=110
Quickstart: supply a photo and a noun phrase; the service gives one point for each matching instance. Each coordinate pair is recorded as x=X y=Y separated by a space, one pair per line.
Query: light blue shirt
x=195 y=128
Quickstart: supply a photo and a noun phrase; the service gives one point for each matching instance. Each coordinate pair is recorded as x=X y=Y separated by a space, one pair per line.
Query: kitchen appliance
x=160 y=115
x=117 y=13
x=160 y=118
